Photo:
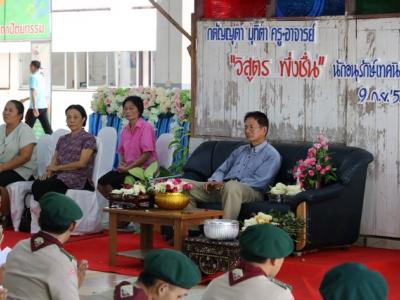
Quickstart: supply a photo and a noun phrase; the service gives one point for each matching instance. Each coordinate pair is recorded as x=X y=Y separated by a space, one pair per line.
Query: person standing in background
x=37 y=96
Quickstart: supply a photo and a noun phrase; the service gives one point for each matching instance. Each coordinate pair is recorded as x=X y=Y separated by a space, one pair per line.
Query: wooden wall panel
x=299 y=109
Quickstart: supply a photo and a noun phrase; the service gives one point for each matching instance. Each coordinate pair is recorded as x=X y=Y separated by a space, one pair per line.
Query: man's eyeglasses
x=251 y=128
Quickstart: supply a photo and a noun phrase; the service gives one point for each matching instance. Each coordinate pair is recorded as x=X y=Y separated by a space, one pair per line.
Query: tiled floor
x=100 y=286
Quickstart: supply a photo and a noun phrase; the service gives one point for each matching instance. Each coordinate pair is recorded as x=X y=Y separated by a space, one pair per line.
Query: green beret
x=59 y=209
x=262 y=241
x=172 y=267
x=353 y=281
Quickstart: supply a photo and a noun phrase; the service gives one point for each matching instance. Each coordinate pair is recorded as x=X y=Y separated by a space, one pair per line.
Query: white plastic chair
x=164 y=152
x=56 y=136
x=18 y=190
x=91 y=203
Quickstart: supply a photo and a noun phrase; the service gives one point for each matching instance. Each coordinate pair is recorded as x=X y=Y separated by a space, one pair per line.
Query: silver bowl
x=221 y=229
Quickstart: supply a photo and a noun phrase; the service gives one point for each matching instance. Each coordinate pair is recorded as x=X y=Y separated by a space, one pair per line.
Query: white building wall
x=61 y=99
x=171 y=65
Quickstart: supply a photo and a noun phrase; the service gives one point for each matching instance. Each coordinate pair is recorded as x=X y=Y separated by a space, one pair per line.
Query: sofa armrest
x=311 y=196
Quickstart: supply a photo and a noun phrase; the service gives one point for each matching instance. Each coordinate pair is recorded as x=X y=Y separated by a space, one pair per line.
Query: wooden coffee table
x=180 y=220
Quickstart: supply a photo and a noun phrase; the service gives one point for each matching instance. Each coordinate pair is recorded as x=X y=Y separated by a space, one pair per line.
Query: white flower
x=262 y=218
x=93 y=106
x=119 y=99
x=278 y=189
x=292 y=190
x=118 y=192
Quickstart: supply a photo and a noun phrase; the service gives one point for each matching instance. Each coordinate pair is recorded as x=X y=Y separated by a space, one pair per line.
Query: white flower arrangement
x=288 y=221
x=156 y=101
x=260 y=218
x=137 y=189
x=282 y=189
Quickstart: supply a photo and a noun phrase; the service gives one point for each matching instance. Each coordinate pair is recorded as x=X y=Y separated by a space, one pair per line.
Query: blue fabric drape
x=163 y=125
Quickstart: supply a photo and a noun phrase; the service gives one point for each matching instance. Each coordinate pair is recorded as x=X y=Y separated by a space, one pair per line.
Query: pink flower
x=318 y=167
x=295 y=169
x=175 y=190
x=321 y=139
x=302 y=167
x=327 y=168
x=187 y=187
x=324 y=145
x=323 y=172
x=327 y=158
x=168 y=187
x=107 y=101
x=302 y=175
x=182 y=115
x=317 y=146
x=177 y=181
x=310 y=161
x=311 y=173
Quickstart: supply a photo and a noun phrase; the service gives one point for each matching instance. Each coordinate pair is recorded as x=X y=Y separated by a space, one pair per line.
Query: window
x=70 y=71
x=57 y=69
x=97 y=68
x=5 y=71
x=111 y=75
x=81 y=66
x=24 y=72
x=89 y=70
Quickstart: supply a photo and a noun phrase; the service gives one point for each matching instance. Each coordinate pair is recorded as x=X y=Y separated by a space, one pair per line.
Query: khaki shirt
x=11 y=145
x=46 y=274
x=258 y=287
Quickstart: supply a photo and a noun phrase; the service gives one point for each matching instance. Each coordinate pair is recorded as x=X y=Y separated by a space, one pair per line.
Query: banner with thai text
x=25 y=20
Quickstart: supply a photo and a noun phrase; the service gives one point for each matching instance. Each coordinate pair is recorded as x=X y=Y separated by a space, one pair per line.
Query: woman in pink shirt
x=137 y=146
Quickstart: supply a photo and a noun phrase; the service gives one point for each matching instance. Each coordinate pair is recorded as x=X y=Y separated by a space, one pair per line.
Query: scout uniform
x=39 y=267
x=247 y=281
x=353 y=281
x=170 y=266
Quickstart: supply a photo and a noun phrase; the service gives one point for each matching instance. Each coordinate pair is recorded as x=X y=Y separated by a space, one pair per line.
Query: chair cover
x=18 y=190
x=91 y=203
x=164 y=152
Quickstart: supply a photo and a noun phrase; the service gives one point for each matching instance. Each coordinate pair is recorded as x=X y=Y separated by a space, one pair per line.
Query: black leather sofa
x=333 y=213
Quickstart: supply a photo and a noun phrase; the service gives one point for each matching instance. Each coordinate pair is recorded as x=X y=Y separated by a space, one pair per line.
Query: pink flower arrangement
x=317 y=168
x=174 y=185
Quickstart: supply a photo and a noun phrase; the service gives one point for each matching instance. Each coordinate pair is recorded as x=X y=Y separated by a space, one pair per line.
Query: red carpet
x=303 y=273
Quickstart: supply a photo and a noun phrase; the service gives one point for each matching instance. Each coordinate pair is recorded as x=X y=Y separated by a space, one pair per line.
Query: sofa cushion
x=199 y=165
x=222 y=150
x=290 y=154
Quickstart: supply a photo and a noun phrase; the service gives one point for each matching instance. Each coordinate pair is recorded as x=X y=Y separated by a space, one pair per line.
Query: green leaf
x=137 y=173
x=164 y=172
x=151 y=170
x=173 y=143
x=129 y=180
